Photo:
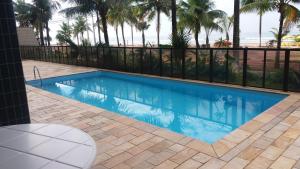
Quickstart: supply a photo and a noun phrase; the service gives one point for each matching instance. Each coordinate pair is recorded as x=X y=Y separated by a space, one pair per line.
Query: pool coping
x=244 y=135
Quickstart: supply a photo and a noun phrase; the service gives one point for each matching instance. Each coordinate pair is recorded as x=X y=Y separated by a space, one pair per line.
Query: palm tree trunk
x=158 y=26
x=174 y=20
x=117 y=34
x=41 y=34
x=123 y=36
x=236 y=24
x=207 y=40
x=227 y=36
x=131 y=34
x=87 y=28
x=48 y=33
x=77 y=39
x=281 y=20
x=260 y=29
x=143 y=37
x=94 y=32
x=104 y=24
x=98 y=26
x=196 y=39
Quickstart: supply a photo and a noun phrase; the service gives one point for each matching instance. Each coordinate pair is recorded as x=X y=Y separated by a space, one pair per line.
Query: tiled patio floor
x=271 y=140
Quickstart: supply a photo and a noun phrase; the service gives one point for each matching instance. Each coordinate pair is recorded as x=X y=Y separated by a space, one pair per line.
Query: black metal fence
x=257 y=67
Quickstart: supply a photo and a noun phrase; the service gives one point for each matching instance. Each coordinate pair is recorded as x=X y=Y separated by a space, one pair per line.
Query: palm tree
x=24 y=14
x=142 y=16
x=101 y=7
x=236 y=24
x=193 y=14
x=260 y=6
x=158 y=7
x=64 y=33
x=289 y=14
x=174 y=18
x=45 y=9
x=80 y=27
x=212 y=24
x=226 y=25
x=118 y=14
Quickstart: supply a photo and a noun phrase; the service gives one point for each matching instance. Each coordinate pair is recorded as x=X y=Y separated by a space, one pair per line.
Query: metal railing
x=36 y=69
x=257 y=67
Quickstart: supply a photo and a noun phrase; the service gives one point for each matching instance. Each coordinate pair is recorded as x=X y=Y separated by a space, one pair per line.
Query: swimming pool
x=200 y=111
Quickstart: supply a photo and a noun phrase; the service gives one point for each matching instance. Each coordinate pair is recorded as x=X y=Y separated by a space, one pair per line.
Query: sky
x=248 y=26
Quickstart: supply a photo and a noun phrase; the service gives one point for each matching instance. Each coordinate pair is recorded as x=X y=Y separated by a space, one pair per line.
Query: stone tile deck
x=271 y=140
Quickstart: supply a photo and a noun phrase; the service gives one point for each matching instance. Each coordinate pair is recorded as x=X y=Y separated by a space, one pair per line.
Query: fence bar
x=183 y=63
x=151 y=61
x=211 y=65
x=245 y=63
x=141 y=60
x=133 y=61
x=197 y=66
x=264 y=69
x=171 y=54
x=125 y=63
x=286 y=70
x=227 y=66
x=160 y=62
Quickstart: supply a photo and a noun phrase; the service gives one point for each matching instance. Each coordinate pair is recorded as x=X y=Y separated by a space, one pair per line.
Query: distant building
x=26 y=37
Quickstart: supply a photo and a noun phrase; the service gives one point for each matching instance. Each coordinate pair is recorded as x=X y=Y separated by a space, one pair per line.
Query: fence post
x=97 y=55
x=171 y=54
x=264 y=69
x=133 y=56
x=211 y=65
x=197 y=66
x=227 y=66
x=245 y=63
x=160 y=62
x=86 y=56
x=286 y=70
x=183 y=63
x=125 y=62
x=141 y=60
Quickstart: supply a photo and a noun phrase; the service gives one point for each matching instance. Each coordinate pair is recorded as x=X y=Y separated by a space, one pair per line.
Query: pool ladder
x=36 y=69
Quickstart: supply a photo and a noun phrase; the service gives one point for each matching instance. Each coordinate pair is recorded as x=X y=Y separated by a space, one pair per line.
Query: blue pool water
x=204 y=112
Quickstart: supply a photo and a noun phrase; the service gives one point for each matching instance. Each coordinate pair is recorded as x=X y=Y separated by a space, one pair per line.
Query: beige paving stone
x=140 y=148
x=259 y=163
x=252 y=126
x=141 y=138
x=237 y=136
x=236 y=163
x=183 y=155
x=160 y=157
x=250 y=153
x=292 y=152
x=202 y=158
x=223 y=146
x=292 y=133
x=114 y=161
x=122 y=166
x=101 y=157
x=143 y=165
x=139 y=158
x=160 y=146
x=264 y=118
x=283 y=163
x=167 y=165
x=283 y=142
x=168 y=135
x=202 y=147
x=213 y=164
x=190 y=164
x=119 y=149
x=272 y=153
x=177 y=147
